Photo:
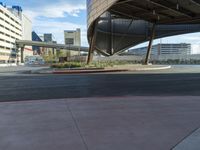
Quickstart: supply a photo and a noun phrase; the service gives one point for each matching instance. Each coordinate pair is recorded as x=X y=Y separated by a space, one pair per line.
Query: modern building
x=14 y=25
x=164 y=49
x=36 y=37
x=73 y=38
x=117 y=25
x=48 y=37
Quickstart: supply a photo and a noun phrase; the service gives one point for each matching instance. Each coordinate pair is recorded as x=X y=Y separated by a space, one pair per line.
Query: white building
x=195 y=48
x=73 y=38
x=164 y=49
x=27 y=34
x=14 y=25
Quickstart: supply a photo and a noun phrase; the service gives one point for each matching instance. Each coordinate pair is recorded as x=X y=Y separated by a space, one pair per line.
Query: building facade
x=36 y=37
x=27 y=34
x=10 y=30
x=73 y=38
x=14 y=25
x=48 y=37
x=164 y=49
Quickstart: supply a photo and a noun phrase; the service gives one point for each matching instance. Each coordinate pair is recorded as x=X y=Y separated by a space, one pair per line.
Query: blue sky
x=54 y=16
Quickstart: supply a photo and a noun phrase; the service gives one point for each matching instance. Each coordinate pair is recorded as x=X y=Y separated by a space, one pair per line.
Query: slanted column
x=92 y=43
x=150 y=45
x=90 y=55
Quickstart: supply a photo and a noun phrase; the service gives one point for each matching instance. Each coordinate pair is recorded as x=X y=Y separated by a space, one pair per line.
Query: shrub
x=68 y=65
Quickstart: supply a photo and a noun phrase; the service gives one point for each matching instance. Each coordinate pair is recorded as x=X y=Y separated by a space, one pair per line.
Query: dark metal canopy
x=159 y=11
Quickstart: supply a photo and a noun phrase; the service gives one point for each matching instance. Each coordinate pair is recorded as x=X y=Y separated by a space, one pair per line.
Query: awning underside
x=159 y=11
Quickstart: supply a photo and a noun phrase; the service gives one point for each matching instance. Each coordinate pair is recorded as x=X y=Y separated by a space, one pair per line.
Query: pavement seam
x=184 y=138
x=108 y=98
x=77 y=126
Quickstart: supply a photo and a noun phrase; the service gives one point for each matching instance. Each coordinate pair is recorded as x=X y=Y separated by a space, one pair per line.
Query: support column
x=150 y=45
x=110 y=41
x=22 y=54
x=17 y=55
x=91 y=51
x=53 y=51
x=92 y=43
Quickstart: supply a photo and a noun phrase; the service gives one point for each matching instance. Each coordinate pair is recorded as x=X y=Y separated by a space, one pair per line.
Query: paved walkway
x=115 y=123
x=20 y=68
x=192 y=142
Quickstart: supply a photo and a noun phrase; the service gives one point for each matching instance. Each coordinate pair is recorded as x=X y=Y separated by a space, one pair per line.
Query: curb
x=91 y=71
x=88 y=71
x=149 y=69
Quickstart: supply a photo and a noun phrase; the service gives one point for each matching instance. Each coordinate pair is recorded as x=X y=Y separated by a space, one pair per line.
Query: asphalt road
x=163 y=83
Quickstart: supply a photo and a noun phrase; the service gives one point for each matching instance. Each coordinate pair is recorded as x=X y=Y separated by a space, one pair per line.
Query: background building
x=73 y=38
x=27 y=34
x=10 y=30
x=36 y=49
x=164 y=49
x=48 y=37
x=14 y=25
x=41 y=37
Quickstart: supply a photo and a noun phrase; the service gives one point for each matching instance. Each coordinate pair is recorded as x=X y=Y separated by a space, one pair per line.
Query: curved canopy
x=125 y=23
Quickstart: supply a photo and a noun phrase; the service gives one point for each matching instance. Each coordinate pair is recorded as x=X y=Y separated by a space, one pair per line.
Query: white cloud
x=57 y=10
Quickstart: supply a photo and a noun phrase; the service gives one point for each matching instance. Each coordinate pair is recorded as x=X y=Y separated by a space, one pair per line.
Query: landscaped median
x=97 y=67
x=80 y=71
x=80 y=67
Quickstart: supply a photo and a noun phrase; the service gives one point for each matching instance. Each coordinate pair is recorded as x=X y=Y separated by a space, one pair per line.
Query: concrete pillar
x=22 y=54
x=17 y=55
x=110 y=26
x=53 y=51
x=150 y=45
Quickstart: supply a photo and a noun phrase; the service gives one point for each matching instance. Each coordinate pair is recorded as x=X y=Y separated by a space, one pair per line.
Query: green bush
x=95 y=64
x=68 y=65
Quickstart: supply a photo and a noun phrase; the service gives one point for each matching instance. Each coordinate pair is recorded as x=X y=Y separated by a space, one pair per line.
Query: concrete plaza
x=109 y=123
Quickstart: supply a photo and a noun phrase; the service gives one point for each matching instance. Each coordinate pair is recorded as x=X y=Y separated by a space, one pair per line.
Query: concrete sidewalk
x=18 y=69
x=115 y=123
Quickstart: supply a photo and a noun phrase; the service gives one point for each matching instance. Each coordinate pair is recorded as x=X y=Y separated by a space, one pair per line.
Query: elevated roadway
x=22 y=43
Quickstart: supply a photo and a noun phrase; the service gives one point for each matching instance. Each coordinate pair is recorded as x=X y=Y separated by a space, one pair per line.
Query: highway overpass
x=22 y=43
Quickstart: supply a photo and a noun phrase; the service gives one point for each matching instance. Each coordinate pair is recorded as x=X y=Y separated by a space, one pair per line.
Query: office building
x=14 y=25
x=36 y=37
x=73 y=38
x=164 y=49
x=48 y=37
